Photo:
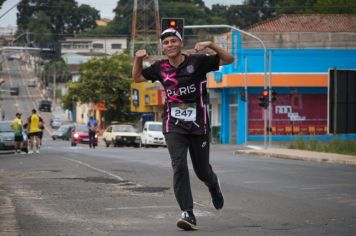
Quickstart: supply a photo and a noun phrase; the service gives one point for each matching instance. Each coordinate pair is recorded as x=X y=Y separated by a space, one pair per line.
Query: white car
x=121 y=135
x=31 y=83
x=152 y=134
x=55 y=122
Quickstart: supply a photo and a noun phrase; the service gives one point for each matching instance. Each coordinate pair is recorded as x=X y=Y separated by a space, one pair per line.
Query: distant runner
x=34 y=132
x=93 y=127
x=16 y=125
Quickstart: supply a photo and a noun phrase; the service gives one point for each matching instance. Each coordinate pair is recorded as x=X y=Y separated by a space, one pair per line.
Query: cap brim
x=170 y=32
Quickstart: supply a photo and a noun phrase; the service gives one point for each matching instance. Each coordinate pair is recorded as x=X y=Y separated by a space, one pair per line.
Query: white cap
x=171 y=32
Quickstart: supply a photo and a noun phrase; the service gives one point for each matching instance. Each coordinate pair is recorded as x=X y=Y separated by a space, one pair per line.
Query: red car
x=80 y=134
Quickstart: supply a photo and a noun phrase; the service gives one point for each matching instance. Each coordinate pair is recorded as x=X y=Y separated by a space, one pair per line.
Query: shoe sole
x=185 y=225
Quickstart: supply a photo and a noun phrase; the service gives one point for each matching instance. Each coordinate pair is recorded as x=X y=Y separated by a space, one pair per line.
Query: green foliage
x=191 y=13
x=40 y=28
x=57 y=68
x=54 y=19
x=294 y=6
x=104 y=80
x=67 y=18
x=334 y=146
x=335 y=6
x=316 y=6
x=1 y=2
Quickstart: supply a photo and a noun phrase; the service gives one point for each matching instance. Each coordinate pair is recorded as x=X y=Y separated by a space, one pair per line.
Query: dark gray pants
x=198 y=145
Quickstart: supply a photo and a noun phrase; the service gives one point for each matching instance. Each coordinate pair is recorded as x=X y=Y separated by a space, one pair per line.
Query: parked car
x=45 y=105
x=152 y=134
x=122 y=135
x=14 y=91
x=14 y=57
x=63 y=132
x=80 y=134
x=55 y=122
x=7 y=137
x=31 y=83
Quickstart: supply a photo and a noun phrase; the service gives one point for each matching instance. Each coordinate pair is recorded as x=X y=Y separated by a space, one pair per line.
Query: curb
x=338 y=159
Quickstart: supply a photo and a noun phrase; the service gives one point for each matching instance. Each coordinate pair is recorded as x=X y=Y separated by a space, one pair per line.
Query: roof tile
x=307 y=23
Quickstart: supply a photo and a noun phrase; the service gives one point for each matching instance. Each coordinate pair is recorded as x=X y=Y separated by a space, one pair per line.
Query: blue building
x=299 y=69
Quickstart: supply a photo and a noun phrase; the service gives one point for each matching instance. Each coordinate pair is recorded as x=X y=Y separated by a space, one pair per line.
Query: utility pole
x=335 y=103
x=145 y=30
x=54 y=85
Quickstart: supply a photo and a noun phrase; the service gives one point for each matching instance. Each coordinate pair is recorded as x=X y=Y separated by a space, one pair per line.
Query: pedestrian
x=185 y=116
x=92 y=126
x=34 y=132
x=16 y=125
x=2 y=114
x=42 y=127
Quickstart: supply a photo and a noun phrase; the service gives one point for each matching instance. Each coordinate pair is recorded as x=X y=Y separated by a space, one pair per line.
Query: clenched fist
x=141 y=54
x=202 y=45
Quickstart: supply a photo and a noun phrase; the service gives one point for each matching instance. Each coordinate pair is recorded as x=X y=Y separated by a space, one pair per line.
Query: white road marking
x=96 y=169
x=137 y=208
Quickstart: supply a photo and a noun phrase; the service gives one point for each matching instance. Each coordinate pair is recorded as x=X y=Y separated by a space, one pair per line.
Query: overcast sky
x=104 y=6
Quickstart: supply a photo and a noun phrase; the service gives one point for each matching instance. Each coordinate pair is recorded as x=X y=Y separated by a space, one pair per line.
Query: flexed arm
x=137 y=66
x=225 y=57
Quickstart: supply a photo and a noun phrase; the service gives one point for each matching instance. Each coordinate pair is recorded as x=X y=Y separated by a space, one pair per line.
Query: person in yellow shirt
x=16 y=125
x=34 y=131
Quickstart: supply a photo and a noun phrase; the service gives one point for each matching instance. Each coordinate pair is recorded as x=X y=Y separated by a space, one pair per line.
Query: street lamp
x=264 y=61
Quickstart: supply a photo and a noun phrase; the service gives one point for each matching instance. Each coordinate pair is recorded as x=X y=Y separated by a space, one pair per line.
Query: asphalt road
x=128 y=191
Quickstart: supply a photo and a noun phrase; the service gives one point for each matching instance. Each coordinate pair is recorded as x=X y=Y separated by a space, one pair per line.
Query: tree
x=57 y=69
x=194 y=12
x=294 y=6
x=65 y=17
x=86 y=18
x=250 y=12
x=40 y=28
x=335 y=6
x=1 y=2
x=105 y=80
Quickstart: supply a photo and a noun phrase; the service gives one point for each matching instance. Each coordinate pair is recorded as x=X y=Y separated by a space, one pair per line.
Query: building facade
x=302 y=53
x=94 y=46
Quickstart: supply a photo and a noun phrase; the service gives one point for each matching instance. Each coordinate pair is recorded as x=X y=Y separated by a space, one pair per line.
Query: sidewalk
x=294 y=154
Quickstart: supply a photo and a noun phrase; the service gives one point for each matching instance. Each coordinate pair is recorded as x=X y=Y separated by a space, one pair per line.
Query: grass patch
x=333 y=146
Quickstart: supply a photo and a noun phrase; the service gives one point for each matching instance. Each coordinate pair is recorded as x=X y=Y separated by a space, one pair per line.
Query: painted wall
x=302 y=70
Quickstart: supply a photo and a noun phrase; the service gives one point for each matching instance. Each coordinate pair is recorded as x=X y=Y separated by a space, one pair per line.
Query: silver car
x=7 y=137
x=63 y=132
x=56 y=122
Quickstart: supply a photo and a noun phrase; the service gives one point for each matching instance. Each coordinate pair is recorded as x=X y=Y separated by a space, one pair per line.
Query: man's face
x=172 y=46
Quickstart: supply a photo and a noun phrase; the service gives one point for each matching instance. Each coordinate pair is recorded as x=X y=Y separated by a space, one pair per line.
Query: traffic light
x=175 y=23
x=263 y=100
x=274 y=95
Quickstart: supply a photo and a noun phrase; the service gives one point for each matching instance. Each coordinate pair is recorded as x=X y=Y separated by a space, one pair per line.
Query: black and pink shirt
x=186 y=94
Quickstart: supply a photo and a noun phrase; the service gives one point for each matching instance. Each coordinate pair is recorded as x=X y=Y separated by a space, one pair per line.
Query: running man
x=185 y=117
x=16 y=125
x=92 y=126
x=34 y=131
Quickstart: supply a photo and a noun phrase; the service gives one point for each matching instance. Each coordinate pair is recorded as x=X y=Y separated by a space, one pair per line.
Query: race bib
x=184 y=111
